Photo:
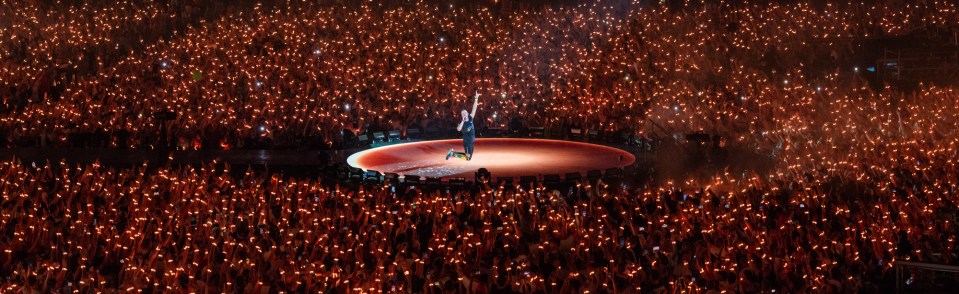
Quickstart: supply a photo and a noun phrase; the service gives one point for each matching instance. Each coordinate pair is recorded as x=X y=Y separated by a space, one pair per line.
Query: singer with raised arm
x=469 y=133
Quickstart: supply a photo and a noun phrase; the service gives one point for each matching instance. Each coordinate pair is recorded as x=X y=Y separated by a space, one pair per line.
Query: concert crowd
x=863 y=175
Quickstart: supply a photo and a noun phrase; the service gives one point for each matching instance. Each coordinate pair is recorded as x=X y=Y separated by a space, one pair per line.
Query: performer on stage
x=469 y=133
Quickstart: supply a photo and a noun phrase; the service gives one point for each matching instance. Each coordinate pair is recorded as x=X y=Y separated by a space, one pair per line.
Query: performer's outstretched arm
x=475 y=102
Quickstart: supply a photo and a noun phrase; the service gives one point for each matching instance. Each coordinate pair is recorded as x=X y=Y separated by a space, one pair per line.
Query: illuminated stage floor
x=503 y=157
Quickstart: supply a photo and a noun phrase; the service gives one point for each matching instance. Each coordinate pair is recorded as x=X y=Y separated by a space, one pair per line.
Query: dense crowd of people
x=285 y=75
x=863 y=176
x=86 y=228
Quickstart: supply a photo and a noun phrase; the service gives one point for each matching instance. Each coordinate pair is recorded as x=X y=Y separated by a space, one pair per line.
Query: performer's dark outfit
x=469 y=137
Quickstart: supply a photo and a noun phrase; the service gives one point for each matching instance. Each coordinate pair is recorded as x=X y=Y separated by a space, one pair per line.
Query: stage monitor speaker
x=413 y=133
x=458 y=182
x=356 y=174
x=372 y=176
x=538 y=132
x=393 y=136
x=392 y=178
x=412 y=180
x=362 y=140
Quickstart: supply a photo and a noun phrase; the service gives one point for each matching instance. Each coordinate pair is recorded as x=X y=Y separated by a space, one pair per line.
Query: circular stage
x=503 y=157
